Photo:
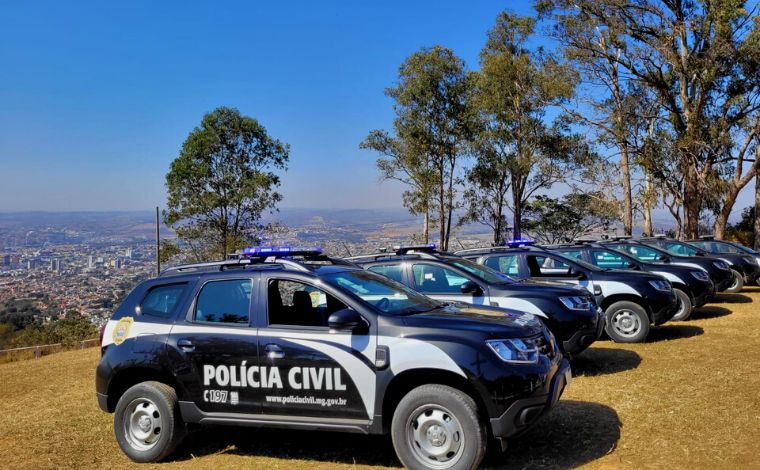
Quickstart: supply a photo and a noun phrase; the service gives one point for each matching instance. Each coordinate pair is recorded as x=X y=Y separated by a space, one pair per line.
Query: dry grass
x=689 y=398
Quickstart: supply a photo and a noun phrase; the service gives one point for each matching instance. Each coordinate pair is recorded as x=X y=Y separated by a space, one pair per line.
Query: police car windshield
x=484 y=273
x=386 y=295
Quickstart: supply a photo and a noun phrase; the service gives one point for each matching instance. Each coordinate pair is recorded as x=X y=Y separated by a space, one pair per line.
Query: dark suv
x=744 y=268
x=295 y=339
x=631 y=300
x=719 y=271
x=571 y=313
x=692 y=286
x=708 y=244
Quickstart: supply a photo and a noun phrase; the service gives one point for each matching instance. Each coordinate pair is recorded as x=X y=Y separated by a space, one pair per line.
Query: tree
x=433 y=132
x=517 y=151
x=699 y=58
x=552 y=220
x=222 y=182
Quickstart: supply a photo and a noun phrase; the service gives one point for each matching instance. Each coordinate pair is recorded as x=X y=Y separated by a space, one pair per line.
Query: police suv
x=631 y=300
x=719 y=271
x=692 y=286
x=294 y=339
x=571 y=313
x=744 y=268
x=709 y=245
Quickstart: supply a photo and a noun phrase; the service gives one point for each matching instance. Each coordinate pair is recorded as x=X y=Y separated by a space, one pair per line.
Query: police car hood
x=533 y=286
x=458 y=316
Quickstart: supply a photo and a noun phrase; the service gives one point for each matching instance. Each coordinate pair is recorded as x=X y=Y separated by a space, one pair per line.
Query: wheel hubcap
x=435 y=436
x=626 y=323
x=142 y=424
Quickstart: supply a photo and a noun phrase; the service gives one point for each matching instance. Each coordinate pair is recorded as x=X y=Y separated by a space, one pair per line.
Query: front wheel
x=438 y=427
x=684 y=305
x=738 y=283
x=147 y=422
x=627 y=322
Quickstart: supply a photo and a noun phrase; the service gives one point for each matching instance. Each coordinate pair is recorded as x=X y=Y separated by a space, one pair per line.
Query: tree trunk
x=721 y=221
x=627 y=199
x=517 y=219
x=757 y=207
x=648 y=189
x=426 y=226
x=692 y=203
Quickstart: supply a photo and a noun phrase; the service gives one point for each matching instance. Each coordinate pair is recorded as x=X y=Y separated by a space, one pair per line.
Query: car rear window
x=162 y=301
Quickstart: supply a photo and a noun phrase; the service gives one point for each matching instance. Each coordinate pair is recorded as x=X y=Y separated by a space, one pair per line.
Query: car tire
x=147 y=422
x=627 y=322
x=684 y=305
x=738 y=283
x=438 y=427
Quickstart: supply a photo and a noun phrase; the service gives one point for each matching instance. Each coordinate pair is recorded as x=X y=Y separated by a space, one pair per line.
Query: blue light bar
x=519 y=242
x=279 y=250
x=427 y=246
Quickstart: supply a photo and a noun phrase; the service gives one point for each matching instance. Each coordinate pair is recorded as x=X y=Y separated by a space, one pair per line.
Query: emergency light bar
x=585 y=240
x=620 y=237
x=259 y=251
x=707 y=237
x=517 y=242
x=428 y=247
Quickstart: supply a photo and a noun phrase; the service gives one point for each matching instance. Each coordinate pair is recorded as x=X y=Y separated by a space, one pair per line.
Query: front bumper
x=583 y=338
x=702 y=295
x=751 y=272
x=663 y=309
x=723 y=279
x=525 y=412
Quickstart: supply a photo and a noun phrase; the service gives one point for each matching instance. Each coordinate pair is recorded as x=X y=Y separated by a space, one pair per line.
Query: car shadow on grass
x=319 y=446
x=731 y=299
x=572 y=434
x=600 y=361
x=705 y=313
x=669 y=332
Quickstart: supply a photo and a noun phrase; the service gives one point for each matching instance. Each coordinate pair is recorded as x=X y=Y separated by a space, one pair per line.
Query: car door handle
x=186 y=345
x=274 y=351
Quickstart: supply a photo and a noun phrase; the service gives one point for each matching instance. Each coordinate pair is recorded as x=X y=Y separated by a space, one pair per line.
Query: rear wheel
x=438 y=427
x=627 y=322
x=684 y=305
x=738 y=283
x=147 y=422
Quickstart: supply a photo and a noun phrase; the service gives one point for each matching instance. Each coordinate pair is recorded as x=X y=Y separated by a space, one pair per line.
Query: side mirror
x=346 y=320
x=577 y=274
x=665 y=259
x=470 y=287
x=633 y=265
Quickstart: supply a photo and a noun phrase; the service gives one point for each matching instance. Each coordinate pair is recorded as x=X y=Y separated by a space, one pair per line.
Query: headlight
x=660 y=285
x=721 y=265
x=576 y=302
x=516 y=351
x=700 y=275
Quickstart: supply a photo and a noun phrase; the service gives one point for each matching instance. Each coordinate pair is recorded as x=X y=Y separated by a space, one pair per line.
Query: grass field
x=688 y=398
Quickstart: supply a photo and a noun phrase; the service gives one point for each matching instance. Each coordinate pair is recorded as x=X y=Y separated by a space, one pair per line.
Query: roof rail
x=618 y=238
x=425 y=248
x=211 y=264
x=707 y=237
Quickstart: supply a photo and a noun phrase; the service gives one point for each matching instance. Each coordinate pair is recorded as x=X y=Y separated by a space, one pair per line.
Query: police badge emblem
x=121 y=330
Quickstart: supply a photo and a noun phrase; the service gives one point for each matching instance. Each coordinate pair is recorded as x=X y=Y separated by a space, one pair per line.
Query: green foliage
x=68 y=331
x=222 y=182
x=432 y=129
x=551 y=220
x=743 y=231
x=518 y=153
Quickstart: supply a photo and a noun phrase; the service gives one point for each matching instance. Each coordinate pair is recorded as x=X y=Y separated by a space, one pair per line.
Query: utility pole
x=158 y=245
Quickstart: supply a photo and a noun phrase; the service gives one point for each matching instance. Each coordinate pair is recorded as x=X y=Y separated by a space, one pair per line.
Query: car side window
x=432 y=279
x=392 y=271
x=577 y=254
x=503 y=264
x=608 y=260
x=296 y=303
x=225 y=301
x=643 y=253
x=161 y=301
x=546 y=266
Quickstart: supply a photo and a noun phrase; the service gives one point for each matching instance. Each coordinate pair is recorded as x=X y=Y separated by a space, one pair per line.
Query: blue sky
x=97 y=98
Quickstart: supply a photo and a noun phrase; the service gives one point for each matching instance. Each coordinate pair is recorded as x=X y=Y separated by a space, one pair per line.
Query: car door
x=307 y=370
x=548 y=267
x=444 y=283
x=214 y=348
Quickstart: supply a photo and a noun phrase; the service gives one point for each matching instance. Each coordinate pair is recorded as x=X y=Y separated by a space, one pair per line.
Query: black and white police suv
x=571 y=313
x=710 y=245
x=298 y=340
x=743 y=267
x=719 y=271
x=692 y=286
x=631 y=300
